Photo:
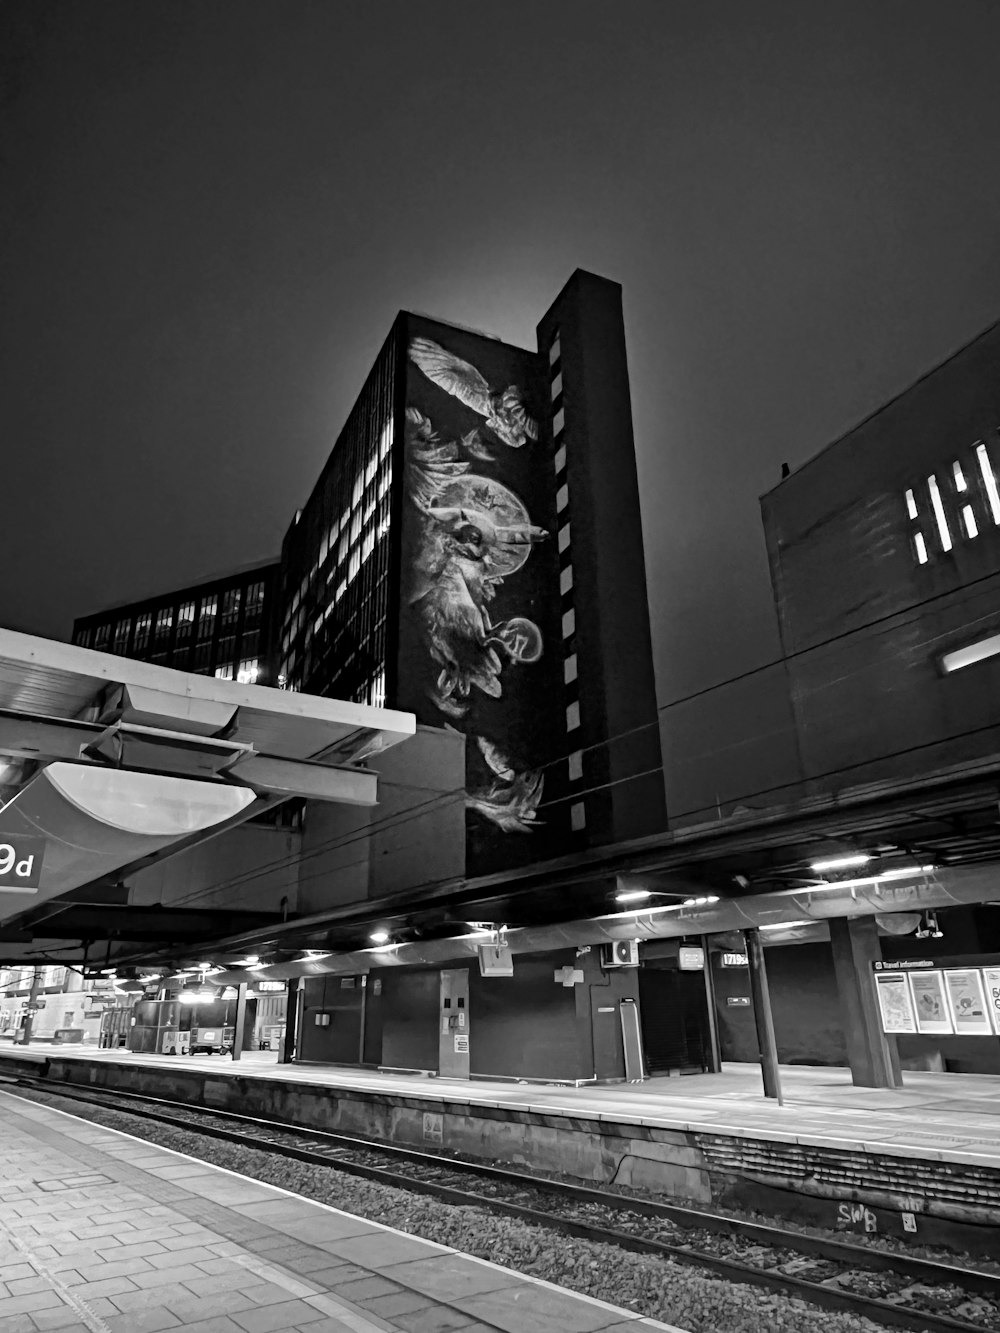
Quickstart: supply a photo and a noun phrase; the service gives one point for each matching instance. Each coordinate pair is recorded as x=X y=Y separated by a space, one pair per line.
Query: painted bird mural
x=503 y=409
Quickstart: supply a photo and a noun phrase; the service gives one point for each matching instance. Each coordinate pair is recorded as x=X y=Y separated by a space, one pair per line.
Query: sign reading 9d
x=20 y=862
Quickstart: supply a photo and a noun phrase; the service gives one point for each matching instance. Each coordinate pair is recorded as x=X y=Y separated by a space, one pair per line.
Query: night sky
x=210 y=214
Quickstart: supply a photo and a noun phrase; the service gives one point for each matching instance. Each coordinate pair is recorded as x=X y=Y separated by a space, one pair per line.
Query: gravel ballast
x=654 y=1287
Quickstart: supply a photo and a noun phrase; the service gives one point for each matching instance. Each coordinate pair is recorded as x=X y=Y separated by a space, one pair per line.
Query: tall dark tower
x=613 y=739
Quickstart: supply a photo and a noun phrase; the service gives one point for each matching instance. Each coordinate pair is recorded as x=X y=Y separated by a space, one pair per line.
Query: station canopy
x=107 y=764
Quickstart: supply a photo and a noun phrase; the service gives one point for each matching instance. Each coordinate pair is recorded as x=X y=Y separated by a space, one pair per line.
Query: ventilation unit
x=622 y=953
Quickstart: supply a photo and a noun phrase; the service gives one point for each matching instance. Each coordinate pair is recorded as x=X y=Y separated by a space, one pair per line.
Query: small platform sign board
x=21 y=857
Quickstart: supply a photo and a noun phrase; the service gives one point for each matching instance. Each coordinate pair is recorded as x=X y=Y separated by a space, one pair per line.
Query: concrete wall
x=733 y=746
x=804 y=1004
x=414 y=836
x=252 y=867
x=617 y=693
x=865 y=623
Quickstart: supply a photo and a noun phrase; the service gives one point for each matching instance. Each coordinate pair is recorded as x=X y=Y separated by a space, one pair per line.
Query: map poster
x=895 y=1002
x=968 y=1003
x=991 y=978
x=929 y=1002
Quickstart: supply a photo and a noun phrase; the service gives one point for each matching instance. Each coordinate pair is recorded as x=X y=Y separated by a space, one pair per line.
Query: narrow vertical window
x=989 y=481
x=944 y=531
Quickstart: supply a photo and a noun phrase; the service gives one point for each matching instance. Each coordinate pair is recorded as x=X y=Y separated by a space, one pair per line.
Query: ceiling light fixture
x=902 y=872
x=632 y=895
x=841 y=862
x=379 y=937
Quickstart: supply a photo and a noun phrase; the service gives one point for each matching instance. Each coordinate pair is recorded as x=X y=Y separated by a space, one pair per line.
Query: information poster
x=895 y=1002
x=968 y=1003
x=929 y=1002
x=991 y=977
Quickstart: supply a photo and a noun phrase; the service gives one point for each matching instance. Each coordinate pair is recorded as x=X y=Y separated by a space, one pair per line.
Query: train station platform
x=924 y=1160
x=104 y=1233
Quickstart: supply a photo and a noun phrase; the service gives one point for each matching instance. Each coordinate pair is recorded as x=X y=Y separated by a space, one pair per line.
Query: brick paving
x=102 y=1233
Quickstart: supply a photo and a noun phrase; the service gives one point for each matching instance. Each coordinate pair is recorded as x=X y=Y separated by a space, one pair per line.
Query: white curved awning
x=94 y=820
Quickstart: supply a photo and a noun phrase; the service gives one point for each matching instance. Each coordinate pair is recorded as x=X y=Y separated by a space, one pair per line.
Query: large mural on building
x=480 y=573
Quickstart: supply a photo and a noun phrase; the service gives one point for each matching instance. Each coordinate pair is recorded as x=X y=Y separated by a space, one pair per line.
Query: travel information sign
x=939 y=997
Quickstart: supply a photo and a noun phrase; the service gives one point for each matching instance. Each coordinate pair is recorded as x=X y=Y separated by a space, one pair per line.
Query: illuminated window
x=570 y=669
x=185 y=621
x=558 y=422
x=578 y=816
x=164 y=622
x=569 y=624
x=206 y=617
x=353 y=565
x=573 y=716
x=944 y=532
x=564 y=537
x=989 y=481
x=376 y=692
x=102 y=636
x=566 y=579
x=254 y=603
x=248 y=671
x=341 y=589
x=357 y=490
x=143 y=624
x=385 y=440
x=576 y=766
x=370 y=469
x=560 y=459
x=556 y=387
x=121 y=635
x=224 y=672
x=562 y=498
x=554 y=351
x=230 y=606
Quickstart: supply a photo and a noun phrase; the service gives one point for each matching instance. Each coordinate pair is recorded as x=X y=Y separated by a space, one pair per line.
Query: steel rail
x=851 y=1257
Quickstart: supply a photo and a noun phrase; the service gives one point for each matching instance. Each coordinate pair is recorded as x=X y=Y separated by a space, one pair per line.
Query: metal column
x=288 y=1042
x=715 y=1053
x=29 y=1018
x=766 y=1044
x=241 y=1016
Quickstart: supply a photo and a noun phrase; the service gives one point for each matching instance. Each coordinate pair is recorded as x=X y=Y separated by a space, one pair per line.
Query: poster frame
x=975 y=1028
x=932 y=1026
x=884 y=981
x=991 y=980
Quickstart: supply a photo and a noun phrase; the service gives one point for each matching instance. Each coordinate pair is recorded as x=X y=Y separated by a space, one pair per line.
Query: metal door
x=453 y=1029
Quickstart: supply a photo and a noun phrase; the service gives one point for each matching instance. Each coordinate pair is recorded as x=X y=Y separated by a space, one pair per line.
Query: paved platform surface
x=945 y=1117
x=104 y=1233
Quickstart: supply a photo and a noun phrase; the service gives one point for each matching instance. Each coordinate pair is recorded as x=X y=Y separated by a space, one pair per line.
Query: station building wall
x=885 y=557
x=414 y=836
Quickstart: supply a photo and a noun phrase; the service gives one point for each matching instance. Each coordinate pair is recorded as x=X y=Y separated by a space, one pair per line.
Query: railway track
x=893 y=1289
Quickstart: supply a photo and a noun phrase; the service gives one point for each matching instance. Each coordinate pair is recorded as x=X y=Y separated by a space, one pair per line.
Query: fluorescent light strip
x=971 y=653
x=921 y=548
x=632 y=895
x=969 y=519
x=841 y=862
x=911 y=504
x=959 y=477
x=939 y=514
x=989 y=481
x=904 y=872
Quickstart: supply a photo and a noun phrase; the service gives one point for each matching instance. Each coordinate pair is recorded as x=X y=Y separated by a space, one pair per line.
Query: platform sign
x=991 y=982
x=895 y=1002
x=21 y=858
x=690 y=959
x=734 y=960
x=930 y=1005
x=968 y=1002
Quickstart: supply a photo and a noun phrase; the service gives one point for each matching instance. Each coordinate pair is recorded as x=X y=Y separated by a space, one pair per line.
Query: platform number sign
x=21 y=862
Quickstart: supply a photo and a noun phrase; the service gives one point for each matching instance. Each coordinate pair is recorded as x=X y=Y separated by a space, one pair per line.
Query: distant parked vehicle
x=212 y=1040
